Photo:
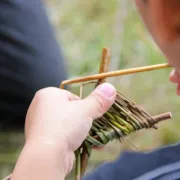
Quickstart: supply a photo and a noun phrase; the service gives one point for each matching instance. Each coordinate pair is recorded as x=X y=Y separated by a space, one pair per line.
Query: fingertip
x=106 y=90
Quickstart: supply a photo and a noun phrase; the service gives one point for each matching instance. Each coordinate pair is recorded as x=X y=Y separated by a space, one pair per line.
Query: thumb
x=99 y=102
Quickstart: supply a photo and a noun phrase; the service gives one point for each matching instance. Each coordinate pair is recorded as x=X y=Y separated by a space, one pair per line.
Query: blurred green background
x=83 y=28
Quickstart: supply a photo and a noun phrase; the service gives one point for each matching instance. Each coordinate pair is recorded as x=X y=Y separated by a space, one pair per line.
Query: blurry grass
x=83 y=28
x=11 y=145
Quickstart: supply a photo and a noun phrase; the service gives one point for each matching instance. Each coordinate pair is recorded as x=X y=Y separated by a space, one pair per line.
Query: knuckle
x=39 y=94
x=45 y=93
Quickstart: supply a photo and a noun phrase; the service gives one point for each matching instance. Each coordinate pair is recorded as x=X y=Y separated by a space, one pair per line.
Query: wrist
x=49 y=151
x=49 y=142
x=41 y=159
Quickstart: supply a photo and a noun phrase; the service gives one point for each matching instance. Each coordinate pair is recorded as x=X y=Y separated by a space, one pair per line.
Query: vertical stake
x=103 y=68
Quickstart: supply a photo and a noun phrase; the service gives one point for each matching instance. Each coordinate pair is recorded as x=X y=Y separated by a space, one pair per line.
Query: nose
x=175 y=76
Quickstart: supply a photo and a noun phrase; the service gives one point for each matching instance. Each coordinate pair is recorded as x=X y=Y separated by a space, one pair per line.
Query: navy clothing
x=30 y=58
x=161 y=164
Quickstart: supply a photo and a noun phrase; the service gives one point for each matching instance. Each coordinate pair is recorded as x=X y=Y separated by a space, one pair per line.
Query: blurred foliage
x=83 y=28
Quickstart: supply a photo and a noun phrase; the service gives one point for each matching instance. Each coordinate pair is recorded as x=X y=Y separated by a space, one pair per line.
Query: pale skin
x=57 y=121
x=162 y=18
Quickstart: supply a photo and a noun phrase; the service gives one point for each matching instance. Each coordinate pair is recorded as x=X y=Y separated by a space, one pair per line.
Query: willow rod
x=104 y=65
x=115 y=73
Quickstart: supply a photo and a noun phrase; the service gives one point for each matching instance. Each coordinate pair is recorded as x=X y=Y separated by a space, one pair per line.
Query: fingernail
x=106 y=90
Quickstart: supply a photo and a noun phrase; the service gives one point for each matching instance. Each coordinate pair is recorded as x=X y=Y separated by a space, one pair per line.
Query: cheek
x=143 y=9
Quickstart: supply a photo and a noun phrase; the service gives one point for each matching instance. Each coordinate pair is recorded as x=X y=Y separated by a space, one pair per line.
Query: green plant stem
x=84 y=161
x=78 y=165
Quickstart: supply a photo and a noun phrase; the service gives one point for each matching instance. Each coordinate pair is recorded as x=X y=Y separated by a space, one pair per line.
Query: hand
x=60 y=118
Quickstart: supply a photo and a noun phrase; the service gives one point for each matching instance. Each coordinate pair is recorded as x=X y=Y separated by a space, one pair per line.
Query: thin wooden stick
x=115 y=73
x=103 y=68
x=78 y=165
x=106 y=54
x=162 y=117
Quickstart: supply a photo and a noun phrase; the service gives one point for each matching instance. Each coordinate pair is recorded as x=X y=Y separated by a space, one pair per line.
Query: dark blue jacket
x=161 y=164
x=30 y=58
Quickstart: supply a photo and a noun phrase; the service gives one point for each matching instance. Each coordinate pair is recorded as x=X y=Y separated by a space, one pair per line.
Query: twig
x=84 y=161
x=78 y=165
x=115 y=73
x=103 y=68
x=163 y=117
x=157 y=118
x=104 y=64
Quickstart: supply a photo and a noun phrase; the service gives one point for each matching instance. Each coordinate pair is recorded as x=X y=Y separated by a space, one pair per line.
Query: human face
x=162 y=18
